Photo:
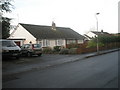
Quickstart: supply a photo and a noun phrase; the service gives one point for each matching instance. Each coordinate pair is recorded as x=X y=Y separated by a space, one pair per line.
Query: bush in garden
x=57 y=48
x=92 y=44
x=64 y=51
x=47 y=50
x=72 y=51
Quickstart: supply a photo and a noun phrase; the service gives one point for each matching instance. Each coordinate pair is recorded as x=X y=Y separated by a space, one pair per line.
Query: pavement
x=53 y=63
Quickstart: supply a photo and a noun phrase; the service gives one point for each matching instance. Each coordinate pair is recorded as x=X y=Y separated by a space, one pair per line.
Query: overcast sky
x=76 y=14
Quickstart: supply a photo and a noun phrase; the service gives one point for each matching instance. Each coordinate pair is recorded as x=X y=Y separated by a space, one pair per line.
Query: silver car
x=31 y=49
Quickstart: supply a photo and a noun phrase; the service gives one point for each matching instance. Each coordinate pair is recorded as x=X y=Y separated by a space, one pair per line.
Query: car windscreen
x=26 y=46
x=8 y=43
x=37 y=45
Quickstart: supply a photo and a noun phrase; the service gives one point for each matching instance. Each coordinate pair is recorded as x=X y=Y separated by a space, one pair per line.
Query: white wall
x=90 y=34
x=21 y=32
x=52 y=43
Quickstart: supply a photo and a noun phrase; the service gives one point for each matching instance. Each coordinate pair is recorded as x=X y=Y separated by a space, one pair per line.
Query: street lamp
x=97 y=31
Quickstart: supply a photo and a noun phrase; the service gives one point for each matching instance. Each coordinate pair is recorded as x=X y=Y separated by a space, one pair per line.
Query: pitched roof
x=100 y=33
x=87 y=36
x=45 y=32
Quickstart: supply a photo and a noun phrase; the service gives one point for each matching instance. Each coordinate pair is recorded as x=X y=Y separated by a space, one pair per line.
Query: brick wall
x=82 y=48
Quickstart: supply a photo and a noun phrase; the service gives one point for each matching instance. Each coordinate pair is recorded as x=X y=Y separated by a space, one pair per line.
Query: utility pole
x=97 y=31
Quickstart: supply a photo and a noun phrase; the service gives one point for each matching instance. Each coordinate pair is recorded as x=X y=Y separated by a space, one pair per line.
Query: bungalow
x=92 y=34
x=47 y=36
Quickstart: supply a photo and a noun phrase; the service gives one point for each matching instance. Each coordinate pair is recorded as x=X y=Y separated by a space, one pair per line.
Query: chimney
x=53 y=26
x=102 y=31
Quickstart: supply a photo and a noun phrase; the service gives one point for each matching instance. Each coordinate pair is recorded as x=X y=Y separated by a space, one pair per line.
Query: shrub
x=92 y=44
x=57 y=48
x=64 y=51
x=73 y=51
x=47 y=50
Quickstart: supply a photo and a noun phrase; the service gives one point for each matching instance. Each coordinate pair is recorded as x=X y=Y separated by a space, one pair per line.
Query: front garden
x=104 y=43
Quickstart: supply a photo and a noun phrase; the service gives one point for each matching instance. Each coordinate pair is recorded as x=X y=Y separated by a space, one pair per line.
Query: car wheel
x=29 y=54
x=40 y=54
x=17 y=57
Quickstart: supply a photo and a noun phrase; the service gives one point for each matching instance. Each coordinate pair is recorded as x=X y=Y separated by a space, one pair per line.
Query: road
x=95 y=72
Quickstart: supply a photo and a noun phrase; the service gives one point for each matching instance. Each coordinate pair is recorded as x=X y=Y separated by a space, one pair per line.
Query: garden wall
x=83 y=49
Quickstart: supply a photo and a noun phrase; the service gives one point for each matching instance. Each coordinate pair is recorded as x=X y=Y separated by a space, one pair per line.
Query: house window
x=39 y=42
x=71 y=41
x=59 y=42
x=46 y=43
x=80 y=41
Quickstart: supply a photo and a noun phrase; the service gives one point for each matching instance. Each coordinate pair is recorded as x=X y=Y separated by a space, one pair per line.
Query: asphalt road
x=95 y=72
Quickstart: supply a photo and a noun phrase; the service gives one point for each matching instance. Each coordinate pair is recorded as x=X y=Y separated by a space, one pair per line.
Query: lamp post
x=97 y=31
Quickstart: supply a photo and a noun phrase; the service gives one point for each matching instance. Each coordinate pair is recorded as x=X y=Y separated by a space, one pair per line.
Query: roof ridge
x=99 y=31
x=42 y=25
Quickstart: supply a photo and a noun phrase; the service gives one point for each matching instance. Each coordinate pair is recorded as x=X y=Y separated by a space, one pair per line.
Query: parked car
x=31 y=49
x=9 y=48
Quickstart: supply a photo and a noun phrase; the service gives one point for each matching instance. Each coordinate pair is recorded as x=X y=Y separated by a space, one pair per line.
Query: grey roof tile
x=45 y=32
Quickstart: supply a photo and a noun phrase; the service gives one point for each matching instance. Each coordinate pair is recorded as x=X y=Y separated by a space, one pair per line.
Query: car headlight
x=5 y=50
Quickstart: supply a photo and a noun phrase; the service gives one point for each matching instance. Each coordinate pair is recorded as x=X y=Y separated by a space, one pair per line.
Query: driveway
x=11 y=65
